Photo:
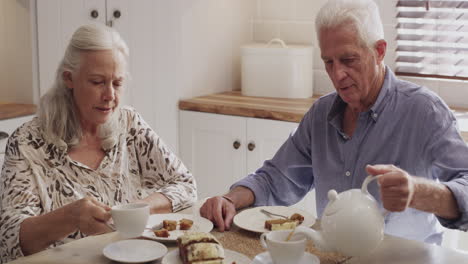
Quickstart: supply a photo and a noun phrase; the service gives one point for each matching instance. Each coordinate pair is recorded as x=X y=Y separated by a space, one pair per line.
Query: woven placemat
x=248 y=243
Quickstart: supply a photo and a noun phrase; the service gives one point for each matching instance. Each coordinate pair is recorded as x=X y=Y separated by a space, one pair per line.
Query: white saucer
x=134 y=251
x=264 y=258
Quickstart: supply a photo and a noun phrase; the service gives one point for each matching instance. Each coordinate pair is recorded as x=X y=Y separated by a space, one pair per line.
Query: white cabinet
x=58 y=19
x=8 y=126
x=221 y=149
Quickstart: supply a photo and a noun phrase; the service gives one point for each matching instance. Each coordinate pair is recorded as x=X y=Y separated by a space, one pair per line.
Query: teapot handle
x=366 y=182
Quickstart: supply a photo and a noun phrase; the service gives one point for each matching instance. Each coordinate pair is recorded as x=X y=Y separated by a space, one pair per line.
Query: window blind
x=432 y=38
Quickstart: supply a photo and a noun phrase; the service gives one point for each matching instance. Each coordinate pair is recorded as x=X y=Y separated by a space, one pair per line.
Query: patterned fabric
x=38 y=177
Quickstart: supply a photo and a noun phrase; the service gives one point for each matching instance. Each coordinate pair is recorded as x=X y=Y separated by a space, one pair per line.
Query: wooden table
x=392 y=250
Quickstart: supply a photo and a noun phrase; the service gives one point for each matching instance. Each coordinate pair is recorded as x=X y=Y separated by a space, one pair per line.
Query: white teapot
x=352 y=223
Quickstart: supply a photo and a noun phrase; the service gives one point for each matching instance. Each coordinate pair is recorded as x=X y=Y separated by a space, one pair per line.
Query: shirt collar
x=335 y=115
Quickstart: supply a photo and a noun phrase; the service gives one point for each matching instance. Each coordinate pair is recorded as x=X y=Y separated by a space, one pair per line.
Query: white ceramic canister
x=277 y=70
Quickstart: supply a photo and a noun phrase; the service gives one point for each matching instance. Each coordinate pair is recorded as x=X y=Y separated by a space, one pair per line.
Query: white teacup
x=282 y=251
x=130 y=219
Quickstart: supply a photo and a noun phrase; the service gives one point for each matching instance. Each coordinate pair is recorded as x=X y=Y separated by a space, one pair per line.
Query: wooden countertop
x=282 y=109
x=12 y=110
x=234 y=103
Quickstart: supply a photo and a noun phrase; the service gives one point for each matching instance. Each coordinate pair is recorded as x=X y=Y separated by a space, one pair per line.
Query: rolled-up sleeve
x=449 y=155
x=19 y=200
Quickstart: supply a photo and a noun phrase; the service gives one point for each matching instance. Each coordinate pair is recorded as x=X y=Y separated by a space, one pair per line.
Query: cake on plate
x=200 y=248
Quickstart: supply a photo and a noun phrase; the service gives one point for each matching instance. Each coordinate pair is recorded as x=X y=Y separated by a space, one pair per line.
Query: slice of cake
x=200 y=248
x=280 y=224
x=284 y=226
x=170 y=225
x=161 y=232
x=185 y=224
x=297 y=217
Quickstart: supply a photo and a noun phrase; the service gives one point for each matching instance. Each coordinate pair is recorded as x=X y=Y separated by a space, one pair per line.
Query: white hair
x=57 y=110
x=362 y=14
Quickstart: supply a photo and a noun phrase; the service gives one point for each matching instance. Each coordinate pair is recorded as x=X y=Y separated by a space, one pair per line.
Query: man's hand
x=220 y=211
x=396 y=186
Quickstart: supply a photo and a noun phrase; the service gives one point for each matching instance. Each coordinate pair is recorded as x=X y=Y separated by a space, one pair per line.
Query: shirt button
x=348 y=173
x=375 y=115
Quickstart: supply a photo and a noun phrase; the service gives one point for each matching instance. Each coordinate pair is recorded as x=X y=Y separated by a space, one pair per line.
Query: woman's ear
x=67 y=79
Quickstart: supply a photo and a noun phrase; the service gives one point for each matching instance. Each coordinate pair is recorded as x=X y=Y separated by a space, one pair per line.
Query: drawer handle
x=117 y=14
x=251 y=146
x=236 y=144
x=94 y=14
x=3 y=135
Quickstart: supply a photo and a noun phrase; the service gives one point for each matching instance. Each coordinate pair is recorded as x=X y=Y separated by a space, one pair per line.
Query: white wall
x=293 y=21
x=16 y=61
x=212 y=32
x=197 y=52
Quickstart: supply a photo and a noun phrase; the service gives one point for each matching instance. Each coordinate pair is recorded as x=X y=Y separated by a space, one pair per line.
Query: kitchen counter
x=12 y=110
x=282 y=109
x=234 y=103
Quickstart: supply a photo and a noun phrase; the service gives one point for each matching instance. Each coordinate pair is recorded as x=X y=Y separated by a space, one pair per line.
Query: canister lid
x=276 y=46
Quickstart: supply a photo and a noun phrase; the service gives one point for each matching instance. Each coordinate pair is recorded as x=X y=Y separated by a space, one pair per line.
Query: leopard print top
x=38 y=177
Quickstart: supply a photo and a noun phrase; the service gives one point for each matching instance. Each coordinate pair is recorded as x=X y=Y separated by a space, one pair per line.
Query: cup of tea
x=283 y=248
x=130 y=219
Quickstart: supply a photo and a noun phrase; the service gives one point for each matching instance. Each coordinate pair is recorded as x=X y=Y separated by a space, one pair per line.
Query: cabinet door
x=207 y=149
x=56 y=22
x=267 y=137
x=9 y=126
x=135 y=21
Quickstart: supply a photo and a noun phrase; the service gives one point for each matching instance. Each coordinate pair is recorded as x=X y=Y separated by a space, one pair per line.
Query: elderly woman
x=83 y=153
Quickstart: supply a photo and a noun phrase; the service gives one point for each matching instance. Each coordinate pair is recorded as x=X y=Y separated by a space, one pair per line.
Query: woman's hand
x=91 y=216
x=86 y=215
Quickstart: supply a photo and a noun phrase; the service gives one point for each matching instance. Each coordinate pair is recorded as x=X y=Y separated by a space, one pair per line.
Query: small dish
x=254 y=220
x=264 y=258
x=134 y=251
x=200 y=224
x=230 y=257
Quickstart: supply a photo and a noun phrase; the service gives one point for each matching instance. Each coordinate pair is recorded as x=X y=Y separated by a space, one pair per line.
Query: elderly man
x=407 y=131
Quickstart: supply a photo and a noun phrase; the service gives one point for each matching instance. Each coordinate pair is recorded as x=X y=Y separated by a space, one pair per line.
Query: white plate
x=200 y=224
x=265 y=258
x=254 y=220
x=230 y=257
x=134 y=251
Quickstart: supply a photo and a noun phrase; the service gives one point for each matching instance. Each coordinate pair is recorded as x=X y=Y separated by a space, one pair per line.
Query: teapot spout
x=315 y=236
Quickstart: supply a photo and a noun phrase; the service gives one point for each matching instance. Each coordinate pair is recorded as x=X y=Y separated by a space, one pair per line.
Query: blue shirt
x=408 y=126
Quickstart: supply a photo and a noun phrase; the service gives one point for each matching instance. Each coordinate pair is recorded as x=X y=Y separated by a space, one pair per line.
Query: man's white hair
x=57 y=112
x=362 y=14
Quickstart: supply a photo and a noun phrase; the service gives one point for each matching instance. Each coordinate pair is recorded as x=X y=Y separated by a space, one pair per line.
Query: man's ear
x=380 y=50
x=67 y=79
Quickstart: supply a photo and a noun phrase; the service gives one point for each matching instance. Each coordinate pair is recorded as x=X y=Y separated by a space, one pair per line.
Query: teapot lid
x=333 y=205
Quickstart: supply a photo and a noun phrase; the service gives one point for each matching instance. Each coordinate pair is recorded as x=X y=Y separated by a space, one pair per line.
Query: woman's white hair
x=362 y=14
x=57 y=112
